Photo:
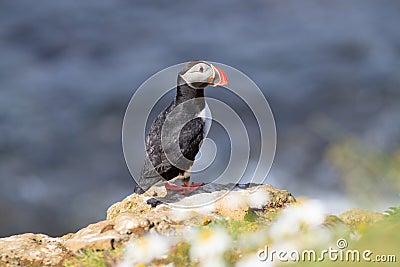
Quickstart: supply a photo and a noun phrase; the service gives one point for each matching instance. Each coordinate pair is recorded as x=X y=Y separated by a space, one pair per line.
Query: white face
x=200 y=73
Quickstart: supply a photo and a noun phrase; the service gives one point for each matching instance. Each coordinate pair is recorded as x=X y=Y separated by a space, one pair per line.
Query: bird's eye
x=201 y=69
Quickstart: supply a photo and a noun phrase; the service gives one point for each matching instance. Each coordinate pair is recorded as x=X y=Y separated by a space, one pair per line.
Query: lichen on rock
x=355 y=217
x=32 y=249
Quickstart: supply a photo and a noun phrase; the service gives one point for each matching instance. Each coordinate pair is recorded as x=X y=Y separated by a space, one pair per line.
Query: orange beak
x=220 y=78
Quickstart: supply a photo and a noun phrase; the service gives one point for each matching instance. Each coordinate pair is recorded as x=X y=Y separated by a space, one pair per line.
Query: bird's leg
x=186 y=188
x=192 y=187
x=174 y=187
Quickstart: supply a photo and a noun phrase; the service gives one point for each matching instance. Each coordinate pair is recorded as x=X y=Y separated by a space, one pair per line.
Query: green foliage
x=393 y=213
x=178 y=255
x=232 y=256
x=250 y=216
x=383 y=237
x=235 y=228
x=364 y=170
x=94 y=258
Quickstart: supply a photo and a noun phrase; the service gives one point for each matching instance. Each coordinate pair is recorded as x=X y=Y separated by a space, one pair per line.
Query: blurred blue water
x=69 y=68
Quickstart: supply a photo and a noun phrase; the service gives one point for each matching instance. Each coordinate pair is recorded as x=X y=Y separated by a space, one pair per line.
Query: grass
x=178 y=255
x=94 y=258
x=235 y=228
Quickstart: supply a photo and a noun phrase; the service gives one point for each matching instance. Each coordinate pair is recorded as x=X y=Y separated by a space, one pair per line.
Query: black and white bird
x=176 y=135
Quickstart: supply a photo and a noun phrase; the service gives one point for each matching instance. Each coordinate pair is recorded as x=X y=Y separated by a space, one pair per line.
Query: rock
x=226 y=199
x=32 y=249
x=176 y=211
x=355 y=217
x=101 y=235
x=134 y=203
x=332 y=221
x=133 y=217
x=127 y=223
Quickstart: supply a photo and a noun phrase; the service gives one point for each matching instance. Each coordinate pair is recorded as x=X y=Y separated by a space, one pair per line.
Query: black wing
x=156 y=164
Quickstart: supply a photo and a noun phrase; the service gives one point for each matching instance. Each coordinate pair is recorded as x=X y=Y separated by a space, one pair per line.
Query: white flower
x=209 y=243
x=355 y=235
x=258 y=199
x=205 y=209
x=253 y=239
x=316 y=237
x=180 y=214
x=312 y=213
x=253 y=261
x=197 y=202
x=308 y=239
x=234 y=200
x=143 y=250
x=308 y=215
x=285 y=245
x=213 y=261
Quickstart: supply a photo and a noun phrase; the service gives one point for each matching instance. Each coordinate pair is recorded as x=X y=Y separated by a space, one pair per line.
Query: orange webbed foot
x=183 y=190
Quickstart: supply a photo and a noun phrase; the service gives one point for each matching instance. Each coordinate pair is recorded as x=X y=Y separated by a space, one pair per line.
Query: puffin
x=176 y=135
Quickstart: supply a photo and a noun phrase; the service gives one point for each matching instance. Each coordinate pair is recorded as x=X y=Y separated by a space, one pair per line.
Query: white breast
x=205 y=115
